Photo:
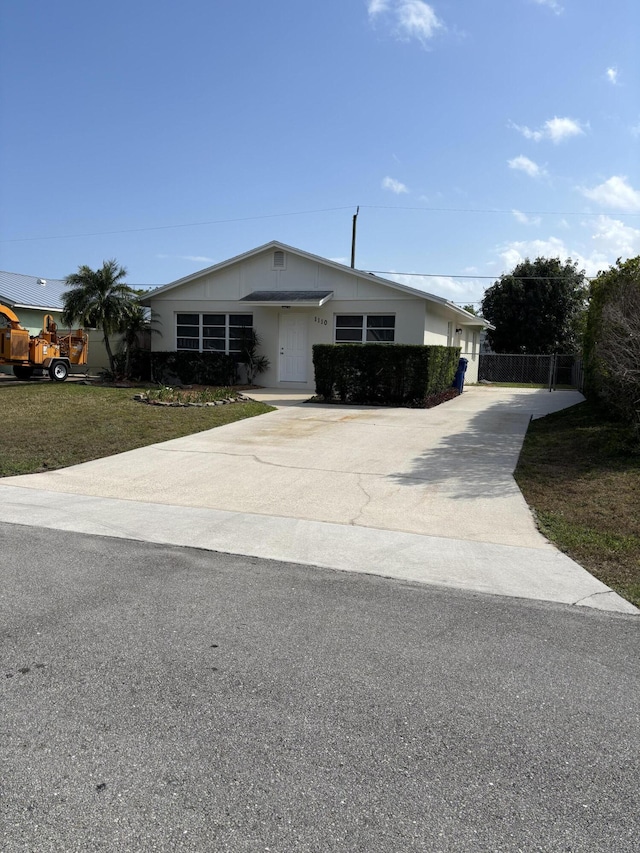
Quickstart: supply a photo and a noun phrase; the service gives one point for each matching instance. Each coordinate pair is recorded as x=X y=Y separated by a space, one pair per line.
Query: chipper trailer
x=49 y=350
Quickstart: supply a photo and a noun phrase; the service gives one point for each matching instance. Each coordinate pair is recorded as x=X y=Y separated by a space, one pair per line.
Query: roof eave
x=26 y=307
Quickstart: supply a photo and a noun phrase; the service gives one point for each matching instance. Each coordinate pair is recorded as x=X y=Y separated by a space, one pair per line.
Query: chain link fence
x=549 y=370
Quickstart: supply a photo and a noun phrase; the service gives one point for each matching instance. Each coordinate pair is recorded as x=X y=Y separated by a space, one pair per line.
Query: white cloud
x=417 y=20
x=612 y=75
x=196 y=259
x=635 y=130
x=408 y=19
x=458 y=290
x=377 y=7
x=555 y=129
x=607 y=240
x=524 y=219
x=524 y=164
x=614 y=193
x=614 y=238
x=551 y=4
x=515 y=252
x=536 y=135
x=558 y=129
x=395 y=186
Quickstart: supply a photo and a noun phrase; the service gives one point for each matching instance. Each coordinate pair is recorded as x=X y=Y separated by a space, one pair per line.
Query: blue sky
x=173 y=135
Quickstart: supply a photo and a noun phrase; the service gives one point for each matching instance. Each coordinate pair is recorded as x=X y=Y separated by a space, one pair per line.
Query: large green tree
x=537 y=307
x=99 y=299
x=612 y=340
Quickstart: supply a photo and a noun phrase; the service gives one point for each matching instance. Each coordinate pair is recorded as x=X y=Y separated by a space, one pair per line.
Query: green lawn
x=580 y=473
x=49 y=425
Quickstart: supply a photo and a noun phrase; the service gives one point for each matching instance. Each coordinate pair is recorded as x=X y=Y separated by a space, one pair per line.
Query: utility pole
x=353 y=238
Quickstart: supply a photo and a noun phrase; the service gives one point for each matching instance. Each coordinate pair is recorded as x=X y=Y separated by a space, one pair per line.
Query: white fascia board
x=36 y=308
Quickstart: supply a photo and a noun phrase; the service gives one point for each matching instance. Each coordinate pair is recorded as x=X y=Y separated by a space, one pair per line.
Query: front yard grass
x=580 y=473
x=49 y=425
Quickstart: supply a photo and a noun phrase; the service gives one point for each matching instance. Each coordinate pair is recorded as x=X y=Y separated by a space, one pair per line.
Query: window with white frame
x=365 y=328
x=212 y=332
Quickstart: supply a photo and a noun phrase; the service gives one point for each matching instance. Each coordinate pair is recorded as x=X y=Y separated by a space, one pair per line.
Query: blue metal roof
x=28 y=291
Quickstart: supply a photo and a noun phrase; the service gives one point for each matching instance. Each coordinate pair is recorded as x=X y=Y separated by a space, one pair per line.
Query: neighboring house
x=293 y=300
x=31 y=298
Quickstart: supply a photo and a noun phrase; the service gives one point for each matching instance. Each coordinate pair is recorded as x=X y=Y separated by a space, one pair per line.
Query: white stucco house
x=293 y=300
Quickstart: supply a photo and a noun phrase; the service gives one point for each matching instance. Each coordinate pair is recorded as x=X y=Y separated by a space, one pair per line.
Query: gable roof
x=28 y=291
x=465 y=316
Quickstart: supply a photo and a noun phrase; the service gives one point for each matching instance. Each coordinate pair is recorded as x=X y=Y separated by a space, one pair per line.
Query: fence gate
x=549 y=370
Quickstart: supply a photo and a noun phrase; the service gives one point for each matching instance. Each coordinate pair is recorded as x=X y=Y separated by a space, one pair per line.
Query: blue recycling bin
x=458 y=382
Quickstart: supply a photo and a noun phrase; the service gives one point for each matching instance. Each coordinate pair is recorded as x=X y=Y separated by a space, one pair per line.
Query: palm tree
x=98 y=299
x=137 y=324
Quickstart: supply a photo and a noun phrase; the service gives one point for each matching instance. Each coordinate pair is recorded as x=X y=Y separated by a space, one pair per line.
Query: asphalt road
x=166 y=699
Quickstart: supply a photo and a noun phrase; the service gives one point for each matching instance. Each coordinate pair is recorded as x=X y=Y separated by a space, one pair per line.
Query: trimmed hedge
x=391 y=374
x=193 y=368
x=139 y=366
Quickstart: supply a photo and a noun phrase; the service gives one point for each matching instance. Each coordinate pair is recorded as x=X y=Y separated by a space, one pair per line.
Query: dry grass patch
x=580 y=472
x=49 y=425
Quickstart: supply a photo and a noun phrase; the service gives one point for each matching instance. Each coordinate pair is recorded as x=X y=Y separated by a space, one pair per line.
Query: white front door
x=293 y=347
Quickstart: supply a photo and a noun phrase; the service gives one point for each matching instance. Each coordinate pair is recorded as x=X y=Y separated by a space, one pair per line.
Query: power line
x=474 y=277
x=499 y=210
x=308 y=212
x=437 y=275
x=181 y=225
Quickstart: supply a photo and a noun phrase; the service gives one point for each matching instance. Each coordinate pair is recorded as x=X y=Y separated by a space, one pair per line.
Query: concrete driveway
x=421 y=494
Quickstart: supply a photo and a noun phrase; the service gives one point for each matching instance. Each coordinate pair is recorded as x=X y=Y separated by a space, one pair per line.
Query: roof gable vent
x=279 y=260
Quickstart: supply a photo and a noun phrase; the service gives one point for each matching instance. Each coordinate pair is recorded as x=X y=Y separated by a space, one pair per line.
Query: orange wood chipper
x=49 y=350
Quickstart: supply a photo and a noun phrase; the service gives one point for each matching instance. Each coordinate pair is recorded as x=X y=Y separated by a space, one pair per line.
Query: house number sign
x=321 y=321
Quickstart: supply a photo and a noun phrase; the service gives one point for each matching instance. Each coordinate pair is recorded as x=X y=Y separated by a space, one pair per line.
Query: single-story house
x=31 y=298
x=293 y=300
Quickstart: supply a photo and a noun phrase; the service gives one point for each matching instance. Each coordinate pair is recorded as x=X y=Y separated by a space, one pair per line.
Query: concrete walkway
x=424 y=495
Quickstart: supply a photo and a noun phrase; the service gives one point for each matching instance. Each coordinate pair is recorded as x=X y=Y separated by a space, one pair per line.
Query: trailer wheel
x=22 y=372
x=58 y=371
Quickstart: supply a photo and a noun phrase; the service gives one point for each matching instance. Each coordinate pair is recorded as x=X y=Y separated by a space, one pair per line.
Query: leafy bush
x=253 y=362
x=392 y=374
x=612 y=341
x=139 y=365
x=193 y=368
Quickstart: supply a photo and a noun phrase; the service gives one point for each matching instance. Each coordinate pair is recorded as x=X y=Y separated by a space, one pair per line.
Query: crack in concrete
x=396 y=475
x=594 y=595
x=369 y=498
x=261 y=461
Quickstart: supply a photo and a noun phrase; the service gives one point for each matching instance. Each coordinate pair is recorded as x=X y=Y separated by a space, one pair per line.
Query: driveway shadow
x=478 y=460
